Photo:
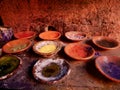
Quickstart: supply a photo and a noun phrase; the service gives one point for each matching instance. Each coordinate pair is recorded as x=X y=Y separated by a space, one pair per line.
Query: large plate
x=50 y=70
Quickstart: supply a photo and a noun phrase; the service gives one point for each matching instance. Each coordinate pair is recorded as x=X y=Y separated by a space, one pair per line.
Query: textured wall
x=94 y=17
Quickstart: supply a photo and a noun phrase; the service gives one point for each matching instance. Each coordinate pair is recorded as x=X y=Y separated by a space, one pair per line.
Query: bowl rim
x=17 y=40
x=94 y=39
x=53 y=81
x=102 y=72
x=32 y=36
x=59 y=46
x=81 y=59
x=55 y=38
x=14 y=71
x=73 y=32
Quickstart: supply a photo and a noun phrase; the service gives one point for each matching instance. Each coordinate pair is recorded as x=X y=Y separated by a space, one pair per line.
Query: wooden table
x=83 y=76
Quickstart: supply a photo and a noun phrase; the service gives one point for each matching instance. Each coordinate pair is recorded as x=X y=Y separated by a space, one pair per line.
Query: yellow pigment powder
x=47 y=48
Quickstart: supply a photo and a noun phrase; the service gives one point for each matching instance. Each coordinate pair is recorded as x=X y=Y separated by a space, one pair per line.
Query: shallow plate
x=48 y=48
x=105 y=42
x=109 y=66
x=8 y=66
x=25 y=34
x=50 y=35
x=79 y=51
x=17 y=46
x=50 y=70
x=75 y=35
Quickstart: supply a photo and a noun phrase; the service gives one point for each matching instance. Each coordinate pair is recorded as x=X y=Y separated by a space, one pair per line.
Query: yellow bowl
x=47 y=48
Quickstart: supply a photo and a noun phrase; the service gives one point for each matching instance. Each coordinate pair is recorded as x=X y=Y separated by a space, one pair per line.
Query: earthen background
x=93 y=17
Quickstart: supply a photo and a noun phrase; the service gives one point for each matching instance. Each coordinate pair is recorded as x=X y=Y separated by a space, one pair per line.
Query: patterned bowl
x=75 y=36
x=47 y=48
x=51 y=70
x=6 y=34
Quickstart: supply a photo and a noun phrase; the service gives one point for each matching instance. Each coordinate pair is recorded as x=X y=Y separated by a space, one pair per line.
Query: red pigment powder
x=77 y=51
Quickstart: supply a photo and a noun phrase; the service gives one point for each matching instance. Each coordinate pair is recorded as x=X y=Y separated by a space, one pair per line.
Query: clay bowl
x=47 y=48
x=9 y=64
x=25 y=34
x=79 y=51
x=50 y=70
x=109 y=66
x=105 y=42
x=50 y=35
x=17 y=46
x=75 y=36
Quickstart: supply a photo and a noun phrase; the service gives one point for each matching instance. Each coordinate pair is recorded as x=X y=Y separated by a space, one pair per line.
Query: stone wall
x=93 y=17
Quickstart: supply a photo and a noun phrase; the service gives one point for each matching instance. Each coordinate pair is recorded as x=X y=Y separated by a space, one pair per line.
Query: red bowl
x=79 y=51
x=109 y=66
x=25 y=34
x=50 y=35
x=17 y=46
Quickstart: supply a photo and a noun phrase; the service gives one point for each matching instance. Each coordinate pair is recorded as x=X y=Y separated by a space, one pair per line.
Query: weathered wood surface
x=83 y=76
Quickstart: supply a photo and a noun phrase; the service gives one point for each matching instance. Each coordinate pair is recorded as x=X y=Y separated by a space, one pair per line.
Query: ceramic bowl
x=109 y=66
x=6 y=33
x=50 y=35
x=75 y=36
x=50 y=70
x=79 y=51
x=105 y=42
x=17 y=46
x=25 y=34
x=47 y=48
x=9 y=64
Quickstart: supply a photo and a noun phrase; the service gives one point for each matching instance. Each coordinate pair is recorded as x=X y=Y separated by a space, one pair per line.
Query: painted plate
x=50 y=70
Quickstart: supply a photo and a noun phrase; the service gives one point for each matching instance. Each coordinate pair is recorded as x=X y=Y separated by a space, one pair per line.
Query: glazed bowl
x=109 y=66
x=17 y=46
x=9 y=64
x=75 y=36
x=6 y=33
x=50 y=35
x=25 y=34
x=79 y=51
x=50 y=70
x=105 y=42
x=47 y=48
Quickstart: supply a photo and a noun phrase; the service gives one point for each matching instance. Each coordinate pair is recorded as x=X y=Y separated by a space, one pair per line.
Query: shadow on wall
x=1 y=21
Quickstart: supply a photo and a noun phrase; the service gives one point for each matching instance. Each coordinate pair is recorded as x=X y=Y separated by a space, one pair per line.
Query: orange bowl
x=17 y=46
x=109 y=66
x=75 y=36
x=25 y=34
x=50 y=35
x=105 y=42
x=79 y=51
